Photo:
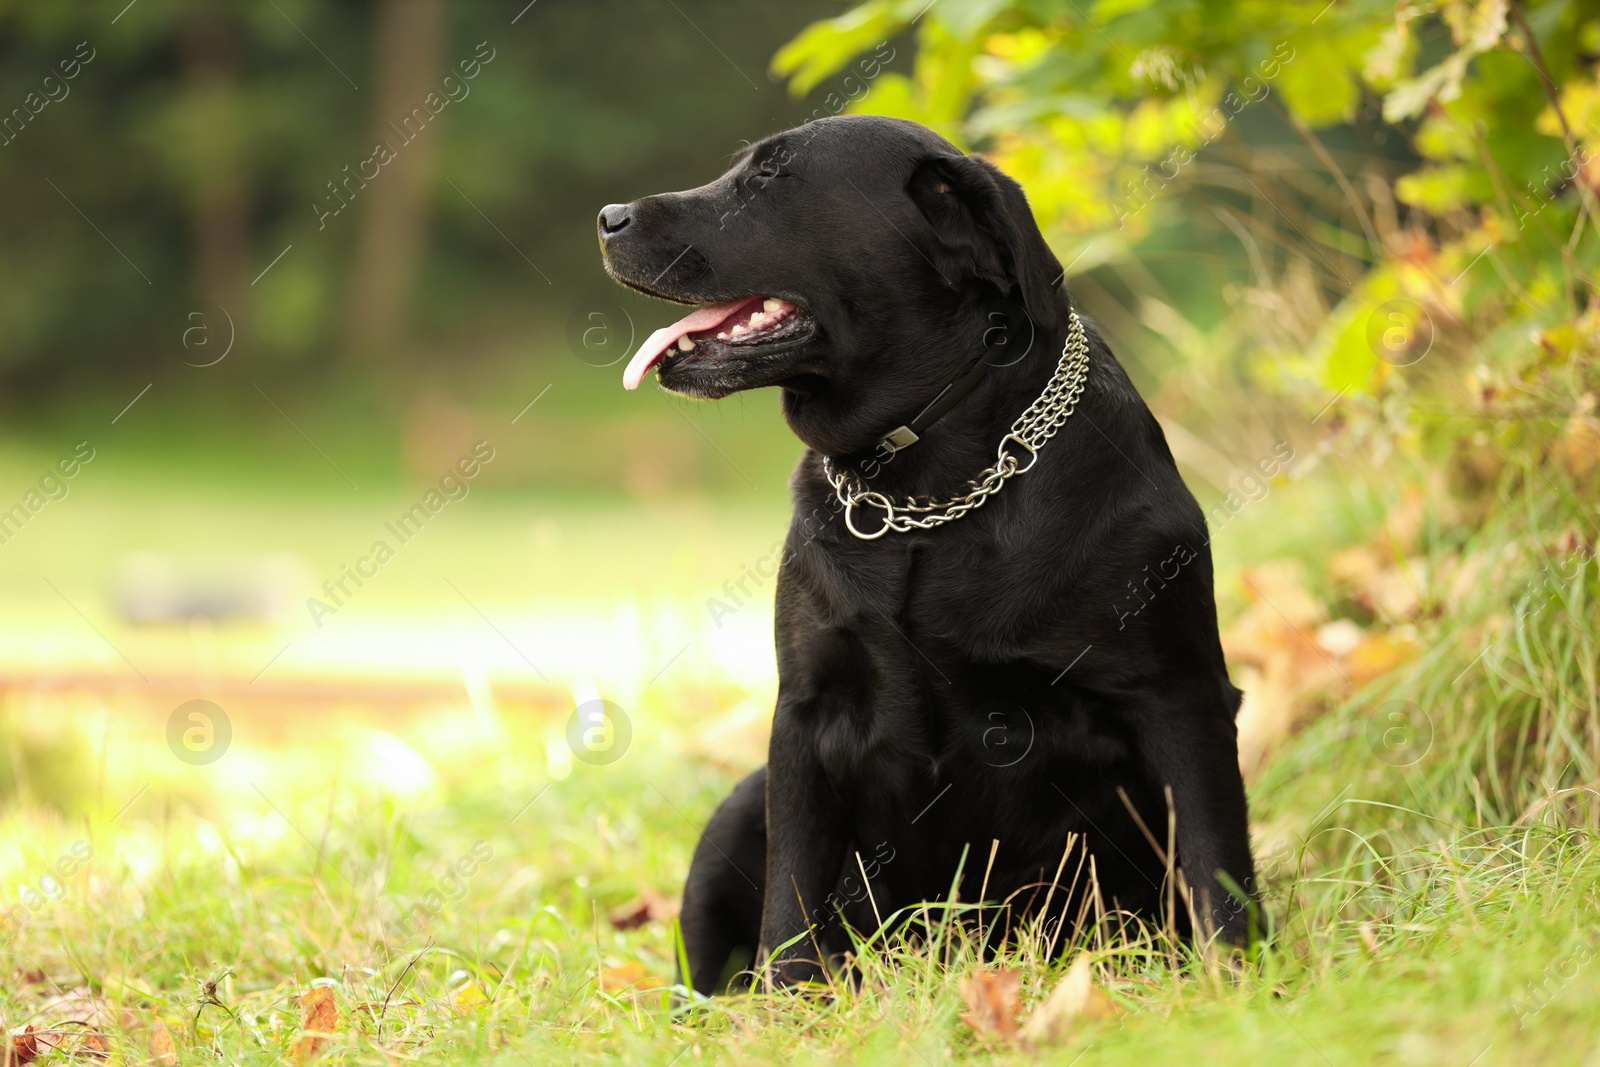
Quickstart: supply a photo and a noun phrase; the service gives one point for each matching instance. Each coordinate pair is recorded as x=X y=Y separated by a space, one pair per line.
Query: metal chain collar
x=1032 y=429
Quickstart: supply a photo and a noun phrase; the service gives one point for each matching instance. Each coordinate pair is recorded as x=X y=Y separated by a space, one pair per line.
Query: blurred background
x=273 y=339
x=276 y=275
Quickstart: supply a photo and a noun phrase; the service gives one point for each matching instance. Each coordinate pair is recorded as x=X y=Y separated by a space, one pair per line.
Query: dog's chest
x=919 y=664
x=965 y=599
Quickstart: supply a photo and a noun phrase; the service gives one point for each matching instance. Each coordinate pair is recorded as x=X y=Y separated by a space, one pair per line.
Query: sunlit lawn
x=399 y=816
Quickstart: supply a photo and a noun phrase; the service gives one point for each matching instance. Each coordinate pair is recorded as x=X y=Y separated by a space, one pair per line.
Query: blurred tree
x=409 y=62
x=216 y=172
x=189 y=157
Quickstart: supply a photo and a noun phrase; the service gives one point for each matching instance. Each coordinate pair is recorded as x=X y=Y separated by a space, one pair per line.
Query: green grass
x=1441 y=912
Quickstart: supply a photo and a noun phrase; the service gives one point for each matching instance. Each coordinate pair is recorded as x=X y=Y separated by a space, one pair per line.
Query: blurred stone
x=1339 y=637
x=153 y=587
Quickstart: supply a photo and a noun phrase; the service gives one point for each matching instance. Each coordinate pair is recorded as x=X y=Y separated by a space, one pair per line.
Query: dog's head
x=840 y=260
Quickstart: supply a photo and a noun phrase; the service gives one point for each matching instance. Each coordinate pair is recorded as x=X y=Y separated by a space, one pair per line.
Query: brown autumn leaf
x=1473 y=469
x=1268 y=716
x=95 y=1046
x=163 y=1050
x=1353 y=567
x=993 y=998
x=1401 y=531
x=1389 y=590
x=1568 y=543
x=24 y=1047
x=1579 y=446
x=1281 y=585
x=1075 y=999
x=319 y=1019
x=648 y=906
x=1279 y=663
x=1378 y=654
x=629 y=975
x=1396 y=596
x=1462 y=578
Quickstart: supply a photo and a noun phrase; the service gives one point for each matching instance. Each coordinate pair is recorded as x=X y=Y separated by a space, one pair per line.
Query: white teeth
x=722 y=335
x=771 y=304
x=685 y=345
x=758 y=320
x=737 y=330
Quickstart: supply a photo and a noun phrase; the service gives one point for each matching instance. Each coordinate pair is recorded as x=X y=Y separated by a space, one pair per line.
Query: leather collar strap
x=909 y=434
x=1043 y=419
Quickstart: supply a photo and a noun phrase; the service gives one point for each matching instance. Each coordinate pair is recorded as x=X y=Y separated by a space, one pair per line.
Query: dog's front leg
x=1192 y=746
x=806 y=838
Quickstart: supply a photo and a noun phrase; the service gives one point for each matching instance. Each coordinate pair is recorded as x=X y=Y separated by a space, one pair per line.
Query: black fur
x=1001 y=677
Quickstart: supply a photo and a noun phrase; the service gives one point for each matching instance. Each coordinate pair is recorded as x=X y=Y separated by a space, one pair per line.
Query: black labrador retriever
x=995 y=620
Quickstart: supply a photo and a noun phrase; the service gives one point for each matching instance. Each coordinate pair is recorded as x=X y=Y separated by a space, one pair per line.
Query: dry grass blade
x=993 y=999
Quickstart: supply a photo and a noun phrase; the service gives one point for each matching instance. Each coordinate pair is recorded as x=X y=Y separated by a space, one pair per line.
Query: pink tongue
x=703 y=317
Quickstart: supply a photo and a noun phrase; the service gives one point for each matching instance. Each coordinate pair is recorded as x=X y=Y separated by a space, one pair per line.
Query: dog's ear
x=984 y=229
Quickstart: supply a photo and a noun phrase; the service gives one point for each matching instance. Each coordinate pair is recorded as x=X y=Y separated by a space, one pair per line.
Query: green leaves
x=967 y=18
x=823 y=48
x=1440 y=190
x=1408 y=160
x=1319 y=84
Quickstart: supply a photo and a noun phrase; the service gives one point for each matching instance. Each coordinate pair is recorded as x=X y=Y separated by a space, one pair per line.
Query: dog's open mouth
x=747 y=322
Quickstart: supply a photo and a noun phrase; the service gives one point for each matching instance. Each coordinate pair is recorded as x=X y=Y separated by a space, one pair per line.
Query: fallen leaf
x=629 y=975
x=648 y=906
x=1075 y=998
x=163 y=1050
x=468 y=998
x=1280 y=583
x=1463 y=579
x=1268 y=715
x=1569 y=543
x=993 y=998
x=1474 y=469
x=1279 y=664
x=1379 y=654
x=1402 y=527
x=319 y=1020
x=1390 y=590
x=24 y=1046
x=95 y=1045
x=1396 y=595
x=1353 y=567
x=1580 y=445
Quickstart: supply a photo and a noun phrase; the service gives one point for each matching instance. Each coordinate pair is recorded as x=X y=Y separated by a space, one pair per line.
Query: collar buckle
x=898 y=438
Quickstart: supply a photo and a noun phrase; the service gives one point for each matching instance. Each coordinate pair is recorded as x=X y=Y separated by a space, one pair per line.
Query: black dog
x=1043 y=665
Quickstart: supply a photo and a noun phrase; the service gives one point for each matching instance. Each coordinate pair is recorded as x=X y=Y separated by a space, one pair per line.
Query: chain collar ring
x=1044 y=417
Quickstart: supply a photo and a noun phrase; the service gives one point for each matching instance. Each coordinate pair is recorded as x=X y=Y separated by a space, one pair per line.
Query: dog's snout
x=614 y=217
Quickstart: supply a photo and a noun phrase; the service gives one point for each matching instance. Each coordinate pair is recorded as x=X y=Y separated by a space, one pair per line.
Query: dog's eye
x=768 y=168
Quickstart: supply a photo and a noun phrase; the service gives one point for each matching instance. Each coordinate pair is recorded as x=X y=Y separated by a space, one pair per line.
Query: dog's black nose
x=613 y=217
